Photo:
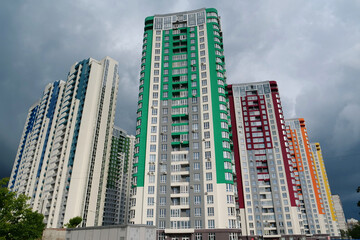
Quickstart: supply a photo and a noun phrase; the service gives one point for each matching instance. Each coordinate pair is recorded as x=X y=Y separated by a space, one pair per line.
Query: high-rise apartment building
x=183 y=174
x=62 y=160
x=118 y=184
x=308 y=188
x=266 y=189
x=312 y=184
x=340 y=216
x=331 y=223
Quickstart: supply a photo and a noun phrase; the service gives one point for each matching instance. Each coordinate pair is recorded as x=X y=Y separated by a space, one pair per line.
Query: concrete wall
x=54 y=234
x=121 y=232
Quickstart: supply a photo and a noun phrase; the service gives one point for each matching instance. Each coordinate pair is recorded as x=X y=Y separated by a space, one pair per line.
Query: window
x=152 y=148
x=197 y=212
x=153 y=130
x=196 y=176
x=229 y=198
x=209 y=187
x=152 y=156
x=162 y=189
x=210 y=211
x=228 y=176
x=196 y=166
x=197 y=200
x=150 y=213
x=210 y=199
x=205 y=107
x=150 y=201
x=211 y=224
x=198 y=224
x=151 y=189
x=207 y=134
x=163 y=178
x=208 y=165
x=197 y=188
x=162 y=213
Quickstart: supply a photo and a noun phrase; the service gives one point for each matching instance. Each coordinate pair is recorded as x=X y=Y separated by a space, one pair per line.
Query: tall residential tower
x=118 y=182
x=65 y=146
x=311 y=199
x=267 y=198
x=183 y=175
x=340 y=216
x=331 y=222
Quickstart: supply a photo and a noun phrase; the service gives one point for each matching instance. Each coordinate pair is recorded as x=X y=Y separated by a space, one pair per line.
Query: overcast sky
x=311 y=48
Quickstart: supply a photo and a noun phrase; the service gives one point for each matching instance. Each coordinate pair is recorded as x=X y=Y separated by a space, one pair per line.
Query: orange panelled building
x=314 y=201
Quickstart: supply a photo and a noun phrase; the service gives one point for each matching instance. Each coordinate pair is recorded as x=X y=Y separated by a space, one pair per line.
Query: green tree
x=17 y=220
x=354 y=232
x=73 y=222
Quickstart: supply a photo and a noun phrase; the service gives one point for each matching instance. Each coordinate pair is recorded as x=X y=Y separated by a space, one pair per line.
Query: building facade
x=340 y=216
x=312 y=184
x=182 y=179
x=265 y=180
x=308 y=187
x=118 y=184
x=331 y=222
x=65 y=146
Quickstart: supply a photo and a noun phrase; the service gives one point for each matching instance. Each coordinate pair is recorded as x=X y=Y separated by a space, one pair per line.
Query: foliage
x=354 y=232
x=73 y=222
x=17 y=220
x=344 y=234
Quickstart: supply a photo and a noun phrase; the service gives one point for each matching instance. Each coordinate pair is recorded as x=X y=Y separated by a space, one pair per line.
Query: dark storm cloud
x=311 y=48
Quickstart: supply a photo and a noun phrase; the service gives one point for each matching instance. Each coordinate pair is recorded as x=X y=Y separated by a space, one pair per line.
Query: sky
x=311 y=48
